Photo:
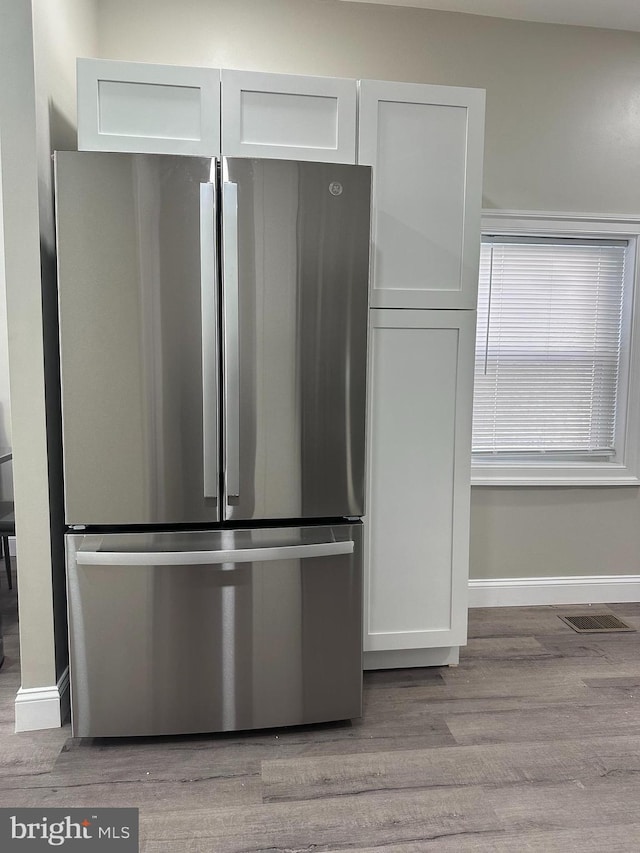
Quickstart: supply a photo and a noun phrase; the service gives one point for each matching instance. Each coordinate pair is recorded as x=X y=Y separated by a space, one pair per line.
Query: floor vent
x=596 y=623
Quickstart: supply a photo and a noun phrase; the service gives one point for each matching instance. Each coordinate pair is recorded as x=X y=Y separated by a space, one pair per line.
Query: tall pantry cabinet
x=425 y=145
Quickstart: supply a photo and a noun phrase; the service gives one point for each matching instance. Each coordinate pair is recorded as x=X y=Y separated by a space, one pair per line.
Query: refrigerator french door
x=213 y=338
x=213 y=322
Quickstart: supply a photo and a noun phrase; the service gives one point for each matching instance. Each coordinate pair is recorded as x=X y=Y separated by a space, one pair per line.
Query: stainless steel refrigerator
x=213 y=329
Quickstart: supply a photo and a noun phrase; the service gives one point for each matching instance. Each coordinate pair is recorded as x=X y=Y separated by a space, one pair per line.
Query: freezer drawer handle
x=231 y=340
x=195 y=558
x=209 y=312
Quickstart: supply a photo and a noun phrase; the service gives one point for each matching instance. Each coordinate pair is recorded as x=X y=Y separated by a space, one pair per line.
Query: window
x=553 y=354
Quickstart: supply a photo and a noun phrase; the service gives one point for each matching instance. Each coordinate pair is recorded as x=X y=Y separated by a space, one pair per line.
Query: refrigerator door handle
x=231 y=340
x=209 y=315
x=193 y=558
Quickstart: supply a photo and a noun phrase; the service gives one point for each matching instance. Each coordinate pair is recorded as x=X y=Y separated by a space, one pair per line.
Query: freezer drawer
x=173 y=633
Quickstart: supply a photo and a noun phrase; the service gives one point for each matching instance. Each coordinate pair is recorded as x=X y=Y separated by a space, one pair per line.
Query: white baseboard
x=403 y=658
x=522 y=592
x=43 y=707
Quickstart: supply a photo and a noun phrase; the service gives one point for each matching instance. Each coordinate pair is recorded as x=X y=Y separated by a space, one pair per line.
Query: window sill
x=550 y=474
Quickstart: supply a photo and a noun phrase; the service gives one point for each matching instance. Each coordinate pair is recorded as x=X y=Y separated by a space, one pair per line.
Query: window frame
x=625 y=468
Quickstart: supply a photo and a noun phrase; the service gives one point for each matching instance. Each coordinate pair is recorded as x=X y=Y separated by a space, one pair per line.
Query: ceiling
x=611 y=14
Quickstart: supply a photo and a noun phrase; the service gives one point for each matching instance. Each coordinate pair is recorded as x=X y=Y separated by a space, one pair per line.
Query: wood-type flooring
x=531 y=744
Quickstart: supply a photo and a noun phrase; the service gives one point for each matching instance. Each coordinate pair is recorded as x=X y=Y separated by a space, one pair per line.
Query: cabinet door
x=421 y=387
x=288 y=117
x=426 y=145
x=150 y=109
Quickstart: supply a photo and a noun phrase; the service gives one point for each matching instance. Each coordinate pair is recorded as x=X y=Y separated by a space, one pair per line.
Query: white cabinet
x=426 y=146
x=417 y=524
x=173 y=109
x=143 y=108
x=289 y=117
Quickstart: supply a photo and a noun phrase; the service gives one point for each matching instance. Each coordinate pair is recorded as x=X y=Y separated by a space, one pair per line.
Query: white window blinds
x=548 y=345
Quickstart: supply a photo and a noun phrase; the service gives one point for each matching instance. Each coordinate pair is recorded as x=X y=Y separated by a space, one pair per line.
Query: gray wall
x=562 y=133
x=35 y=113
x=26 y=359
x=5 y=402
x=6 y=473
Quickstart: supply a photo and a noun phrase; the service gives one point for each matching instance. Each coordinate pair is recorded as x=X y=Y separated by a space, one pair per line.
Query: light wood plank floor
x=531 y=744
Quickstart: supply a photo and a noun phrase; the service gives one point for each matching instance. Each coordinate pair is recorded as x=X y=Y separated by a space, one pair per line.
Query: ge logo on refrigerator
x=335 y=188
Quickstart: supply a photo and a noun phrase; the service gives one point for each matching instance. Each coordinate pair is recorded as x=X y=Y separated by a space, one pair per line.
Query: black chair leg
x=7 y=559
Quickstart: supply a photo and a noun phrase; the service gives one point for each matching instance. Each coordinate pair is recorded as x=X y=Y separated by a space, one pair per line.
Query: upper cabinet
x=426 y=146
x=289 y=117
x=172 y=109
x=152 y=109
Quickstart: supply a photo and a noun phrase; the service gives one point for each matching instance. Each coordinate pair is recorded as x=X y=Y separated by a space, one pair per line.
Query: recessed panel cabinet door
x=426 y=146
x=139 y=107
x=416 y=563
x=288 y=117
